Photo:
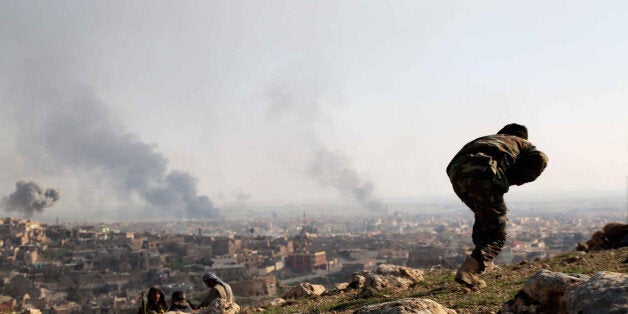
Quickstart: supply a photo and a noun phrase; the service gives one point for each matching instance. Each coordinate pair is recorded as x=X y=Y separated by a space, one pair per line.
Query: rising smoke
x=30 y=197
x=62 y=124
x=178 y=191
x=333 y=169
x=300 y=101
x=59 y=126
x=135 y=166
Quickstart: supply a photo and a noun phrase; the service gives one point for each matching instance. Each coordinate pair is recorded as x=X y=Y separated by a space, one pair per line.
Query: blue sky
x=246 y=95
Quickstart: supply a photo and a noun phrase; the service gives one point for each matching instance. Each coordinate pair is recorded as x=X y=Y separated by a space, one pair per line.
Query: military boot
x=468 y=272
x=489 y=264
x=489 y=267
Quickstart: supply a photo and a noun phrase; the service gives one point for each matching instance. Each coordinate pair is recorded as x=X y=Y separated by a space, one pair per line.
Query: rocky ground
x=504 y=283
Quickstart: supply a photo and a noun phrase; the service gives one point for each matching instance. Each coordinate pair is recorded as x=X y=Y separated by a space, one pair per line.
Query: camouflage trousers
x=478 y=182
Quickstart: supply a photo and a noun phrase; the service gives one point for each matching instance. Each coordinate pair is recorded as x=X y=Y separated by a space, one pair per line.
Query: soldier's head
x=178 y=296
x=210 y=279
x=528 y=167
x=156 y=296
x=515 y=129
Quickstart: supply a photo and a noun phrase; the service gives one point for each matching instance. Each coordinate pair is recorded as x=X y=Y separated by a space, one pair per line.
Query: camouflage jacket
x=503 y=151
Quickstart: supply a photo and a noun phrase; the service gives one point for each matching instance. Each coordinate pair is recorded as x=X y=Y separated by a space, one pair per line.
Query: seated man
x=220 y=298
x=179 y=303
x=217 y=289
x=155 y=302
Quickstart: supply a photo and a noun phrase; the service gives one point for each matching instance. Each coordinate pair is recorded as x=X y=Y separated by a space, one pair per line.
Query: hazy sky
x=216 y=104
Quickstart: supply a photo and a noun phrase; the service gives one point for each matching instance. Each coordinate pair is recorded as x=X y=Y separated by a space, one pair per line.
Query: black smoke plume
x=178 y=193
x=60 y=125
x=135 y=166
x=333 y=169
x=65 y=126
x=299 y=103
x=30 y=197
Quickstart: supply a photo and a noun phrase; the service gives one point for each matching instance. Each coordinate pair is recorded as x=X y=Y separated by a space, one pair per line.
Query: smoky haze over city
x=205 y=110
x=313 y=156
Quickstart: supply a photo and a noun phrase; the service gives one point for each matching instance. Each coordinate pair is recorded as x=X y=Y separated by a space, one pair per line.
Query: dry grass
x=503 y=284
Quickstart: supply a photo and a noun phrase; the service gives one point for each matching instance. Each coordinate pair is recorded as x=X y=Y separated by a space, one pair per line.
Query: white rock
x=605 y=292
x=554 y=292
x=406 y=306
x=304 y=289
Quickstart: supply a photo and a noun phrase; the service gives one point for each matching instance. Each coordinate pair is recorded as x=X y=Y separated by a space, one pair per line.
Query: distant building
x=306 y=262
x=225 y=245
x=425 y=257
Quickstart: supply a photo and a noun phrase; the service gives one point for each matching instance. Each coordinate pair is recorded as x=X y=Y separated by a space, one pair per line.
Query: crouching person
x=220 y=298
x=480 y=174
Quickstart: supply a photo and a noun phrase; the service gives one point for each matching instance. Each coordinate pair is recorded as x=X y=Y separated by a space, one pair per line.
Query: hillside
x=503 y=283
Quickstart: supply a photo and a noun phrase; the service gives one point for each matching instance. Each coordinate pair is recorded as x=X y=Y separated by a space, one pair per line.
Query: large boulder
x=605 y=292
x=338 y=288
x=304 y=289
x=406 y=306
x=386 y=276
x=554 y=292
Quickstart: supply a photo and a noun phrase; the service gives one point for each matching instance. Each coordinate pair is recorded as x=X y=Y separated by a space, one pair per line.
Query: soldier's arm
x=213 y=294
x=528 y=166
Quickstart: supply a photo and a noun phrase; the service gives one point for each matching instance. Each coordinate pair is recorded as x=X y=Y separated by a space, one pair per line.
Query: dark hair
x=154 y=290
x=178 y=296
x=161 y=302
x=515 y=129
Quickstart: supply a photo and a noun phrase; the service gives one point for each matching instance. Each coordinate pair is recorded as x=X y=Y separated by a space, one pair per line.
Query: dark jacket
x=514 y=159
x=183 y=306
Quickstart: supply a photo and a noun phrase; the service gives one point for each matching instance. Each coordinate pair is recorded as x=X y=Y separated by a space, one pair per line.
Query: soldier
x=220 y=298
x=481 y=172
x=180 y=303
x=155 y=302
